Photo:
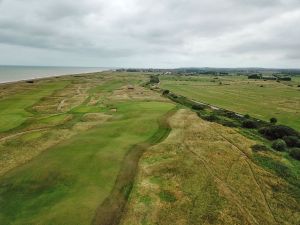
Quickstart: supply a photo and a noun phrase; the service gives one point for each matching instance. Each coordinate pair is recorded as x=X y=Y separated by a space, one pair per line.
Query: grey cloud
x=213 y=32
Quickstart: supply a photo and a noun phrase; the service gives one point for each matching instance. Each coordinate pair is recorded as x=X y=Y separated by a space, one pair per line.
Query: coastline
x=47 y=76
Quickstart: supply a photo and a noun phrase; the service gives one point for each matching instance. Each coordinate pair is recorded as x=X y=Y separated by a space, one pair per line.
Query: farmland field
x=258 y=98
x=104 y=148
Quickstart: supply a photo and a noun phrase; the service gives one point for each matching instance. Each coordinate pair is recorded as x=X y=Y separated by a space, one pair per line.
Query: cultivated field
x=258 y=98
x=104 y=148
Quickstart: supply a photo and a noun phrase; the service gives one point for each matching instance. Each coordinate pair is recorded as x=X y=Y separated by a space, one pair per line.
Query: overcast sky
x=151 y=33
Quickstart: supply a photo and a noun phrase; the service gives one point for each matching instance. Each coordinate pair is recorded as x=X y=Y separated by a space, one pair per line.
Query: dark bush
x=258 y=148
x=247 y=116
x=285 y=78
x=295 y=153
x=173 y=95
x=229 y=123
x=154 y=79
x=254 y=76
x=249 y=124
x=166 y=92
x=292 y=141
x=226 y=113
x=273 y=120
x=278 y=131
x=279 y=145
x=29 y=81
x=211 y=118
x=198 y=107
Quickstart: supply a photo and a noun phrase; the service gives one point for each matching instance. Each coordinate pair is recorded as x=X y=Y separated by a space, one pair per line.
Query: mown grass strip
x=111 y=209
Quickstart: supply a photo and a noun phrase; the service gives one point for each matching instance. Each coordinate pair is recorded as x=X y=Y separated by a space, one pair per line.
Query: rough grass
x=61 y=160
x=76 y=175
x=203 y=173
x=242 y=95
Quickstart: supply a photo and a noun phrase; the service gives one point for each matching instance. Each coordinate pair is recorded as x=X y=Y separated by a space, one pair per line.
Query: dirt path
x=111 y=209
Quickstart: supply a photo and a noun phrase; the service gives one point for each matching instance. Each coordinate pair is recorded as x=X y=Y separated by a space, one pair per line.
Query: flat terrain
x=103 y=149
x=258 y=98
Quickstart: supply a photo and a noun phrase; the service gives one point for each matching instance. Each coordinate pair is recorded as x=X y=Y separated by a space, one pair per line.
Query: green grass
x=13 y=108
x=107 y=86
x=242 y=95
x=65 y=184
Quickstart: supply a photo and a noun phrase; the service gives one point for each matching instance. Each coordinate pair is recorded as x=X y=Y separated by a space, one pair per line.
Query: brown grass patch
x=208 y=170
x=136 y=93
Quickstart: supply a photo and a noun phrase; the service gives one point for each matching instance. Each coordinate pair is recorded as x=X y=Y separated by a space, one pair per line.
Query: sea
x=17 y=73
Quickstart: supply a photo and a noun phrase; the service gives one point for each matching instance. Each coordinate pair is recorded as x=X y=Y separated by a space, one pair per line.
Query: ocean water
x=16 y=73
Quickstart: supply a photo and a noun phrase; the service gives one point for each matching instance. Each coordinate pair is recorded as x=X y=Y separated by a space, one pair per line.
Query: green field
x=104 y=149
x=66 y=183
x=260 y=99
x=13 y=108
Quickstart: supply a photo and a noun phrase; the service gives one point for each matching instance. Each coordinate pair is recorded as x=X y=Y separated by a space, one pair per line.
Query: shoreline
x=36 y=78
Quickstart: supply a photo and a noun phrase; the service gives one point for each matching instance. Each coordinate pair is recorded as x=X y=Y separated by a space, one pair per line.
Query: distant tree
x=166 y=92
x=278 y=131
x=197 y=107
x=279 y=145
x=273 y=120
x=249 y=124
x=285 y=78
x=255 y=76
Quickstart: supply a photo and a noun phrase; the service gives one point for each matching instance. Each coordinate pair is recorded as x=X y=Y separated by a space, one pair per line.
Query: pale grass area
x=203 y=174
x=64 y=100
x=135 y=92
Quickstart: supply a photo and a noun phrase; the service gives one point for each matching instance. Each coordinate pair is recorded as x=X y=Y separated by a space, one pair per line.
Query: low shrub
x=230 y=123
x=277 y=131
x=258 y=148
x=198 y=107
x=166 y=92
x=211 y=118
x=154 y=79
x=249 y=124
x=295 y=153
x=292 y=141
x=247 y=116
x=273 y=120
x=279 y=145
x=173 y=95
